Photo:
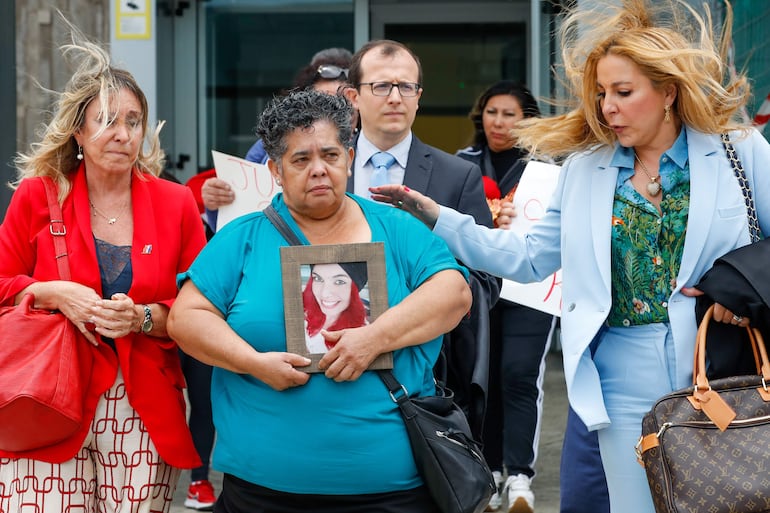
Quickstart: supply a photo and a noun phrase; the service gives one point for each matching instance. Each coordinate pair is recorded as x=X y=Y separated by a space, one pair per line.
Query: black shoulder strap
x=281 y=225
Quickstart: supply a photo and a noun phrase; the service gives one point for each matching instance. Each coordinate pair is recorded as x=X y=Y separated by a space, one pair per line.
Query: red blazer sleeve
x=24 y=229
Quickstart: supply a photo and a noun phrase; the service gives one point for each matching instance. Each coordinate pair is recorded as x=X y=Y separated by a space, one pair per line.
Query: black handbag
x=705 y=448
x=449 y=460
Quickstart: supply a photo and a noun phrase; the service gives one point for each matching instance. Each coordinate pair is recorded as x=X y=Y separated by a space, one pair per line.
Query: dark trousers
x=198 y=377
x=582 y=485
x=239 y=496
x=519 y=340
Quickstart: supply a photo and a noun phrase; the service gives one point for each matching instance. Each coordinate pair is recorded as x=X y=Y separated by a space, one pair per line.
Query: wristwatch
x=147 y=322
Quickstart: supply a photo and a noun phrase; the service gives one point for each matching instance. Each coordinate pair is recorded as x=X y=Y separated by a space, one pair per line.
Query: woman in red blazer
x=128 y=235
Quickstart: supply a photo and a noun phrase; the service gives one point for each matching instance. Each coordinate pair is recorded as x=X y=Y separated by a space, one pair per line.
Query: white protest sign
x=530 y=200
x=252 y=184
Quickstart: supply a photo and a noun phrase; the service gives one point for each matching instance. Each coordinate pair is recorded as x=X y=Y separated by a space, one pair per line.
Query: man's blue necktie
x=381 y=161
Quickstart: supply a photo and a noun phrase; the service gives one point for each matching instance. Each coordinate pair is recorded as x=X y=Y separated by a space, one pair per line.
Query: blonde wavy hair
x=670 y=42
x=94 y=79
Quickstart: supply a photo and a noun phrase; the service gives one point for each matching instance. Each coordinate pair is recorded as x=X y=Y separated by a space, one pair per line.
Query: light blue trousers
x=636 y=367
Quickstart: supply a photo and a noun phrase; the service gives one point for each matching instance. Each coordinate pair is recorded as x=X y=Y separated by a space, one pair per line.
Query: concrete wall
x=39 y=33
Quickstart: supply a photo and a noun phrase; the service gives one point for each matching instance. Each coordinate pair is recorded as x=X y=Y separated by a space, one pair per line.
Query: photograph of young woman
x=332 y=301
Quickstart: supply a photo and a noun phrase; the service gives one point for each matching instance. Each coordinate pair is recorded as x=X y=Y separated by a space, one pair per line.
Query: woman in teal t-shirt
x=334 y=441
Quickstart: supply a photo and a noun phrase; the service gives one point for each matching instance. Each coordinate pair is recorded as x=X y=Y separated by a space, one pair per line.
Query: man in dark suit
x=386 y=79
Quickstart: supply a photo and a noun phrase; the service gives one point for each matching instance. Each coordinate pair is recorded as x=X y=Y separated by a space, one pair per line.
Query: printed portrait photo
x=332 y=288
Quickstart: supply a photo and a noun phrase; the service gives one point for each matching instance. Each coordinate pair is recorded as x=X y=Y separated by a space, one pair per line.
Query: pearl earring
x=80 y=153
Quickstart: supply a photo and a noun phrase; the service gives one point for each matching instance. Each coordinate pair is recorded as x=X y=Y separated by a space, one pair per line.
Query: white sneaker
x=497 y=498
x=520 y=496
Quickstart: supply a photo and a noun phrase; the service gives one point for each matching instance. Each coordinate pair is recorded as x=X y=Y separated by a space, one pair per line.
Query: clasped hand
x=353 y=351
x=351 y=355
x=115 y=317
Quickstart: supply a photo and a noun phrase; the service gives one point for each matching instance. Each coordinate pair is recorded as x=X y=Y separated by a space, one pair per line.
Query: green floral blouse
x=647 y=245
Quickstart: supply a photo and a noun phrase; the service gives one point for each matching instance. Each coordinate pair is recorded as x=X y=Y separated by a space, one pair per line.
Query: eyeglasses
x=405 y=89
x=331 y=72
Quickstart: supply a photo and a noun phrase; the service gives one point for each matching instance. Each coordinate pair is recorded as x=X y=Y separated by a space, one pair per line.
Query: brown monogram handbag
x=706 y=448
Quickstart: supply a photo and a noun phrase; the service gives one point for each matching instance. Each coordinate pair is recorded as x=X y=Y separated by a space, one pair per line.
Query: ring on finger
x=400 y=204
x=737 y=318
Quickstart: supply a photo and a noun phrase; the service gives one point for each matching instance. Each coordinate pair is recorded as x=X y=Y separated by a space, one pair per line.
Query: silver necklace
x=654 y=186
x=110 y=220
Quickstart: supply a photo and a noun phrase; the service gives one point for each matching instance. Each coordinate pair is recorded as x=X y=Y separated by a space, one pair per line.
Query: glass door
x=464 y=47
x=227 y=58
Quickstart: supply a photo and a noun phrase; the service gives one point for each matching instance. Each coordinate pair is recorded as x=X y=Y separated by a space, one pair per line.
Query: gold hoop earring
x=667 y=113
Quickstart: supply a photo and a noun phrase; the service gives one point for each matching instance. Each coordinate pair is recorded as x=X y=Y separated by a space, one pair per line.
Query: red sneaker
x=200 y=496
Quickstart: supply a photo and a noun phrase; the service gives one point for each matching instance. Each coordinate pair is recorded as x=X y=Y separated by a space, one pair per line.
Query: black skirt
x=239 y=496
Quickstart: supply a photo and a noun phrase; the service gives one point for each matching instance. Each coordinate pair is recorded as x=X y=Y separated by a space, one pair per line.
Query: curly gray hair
x=302 y=109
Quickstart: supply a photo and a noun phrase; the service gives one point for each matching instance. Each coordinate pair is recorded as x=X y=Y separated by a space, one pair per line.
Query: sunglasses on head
x=331 y=72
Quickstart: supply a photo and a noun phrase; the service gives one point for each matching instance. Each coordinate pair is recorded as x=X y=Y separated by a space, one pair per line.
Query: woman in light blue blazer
x=645 y=203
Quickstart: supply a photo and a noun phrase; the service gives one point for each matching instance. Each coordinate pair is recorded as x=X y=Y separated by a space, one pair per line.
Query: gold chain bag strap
x=705 y=448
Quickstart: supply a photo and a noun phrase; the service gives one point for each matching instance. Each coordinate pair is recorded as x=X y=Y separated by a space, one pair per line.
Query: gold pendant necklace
x=110 y=220
x=654 y=186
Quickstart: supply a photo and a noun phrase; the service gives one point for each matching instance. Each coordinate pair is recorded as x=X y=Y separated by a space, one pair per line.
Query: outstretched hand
x=401 y=196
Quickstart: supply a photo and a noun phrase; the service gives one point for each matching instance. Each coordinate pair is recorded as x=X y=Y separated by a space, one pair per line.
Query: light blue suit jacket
x=574 y=234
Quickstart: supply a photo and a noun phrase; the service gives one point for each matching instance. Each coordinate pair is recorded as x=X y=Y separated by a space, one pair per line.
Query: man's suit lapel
x=418 y=167
x=352 y=178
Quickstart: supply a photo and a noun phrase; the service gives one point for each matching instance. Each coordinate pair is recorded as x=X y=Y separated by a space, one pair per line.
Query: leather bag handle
x=57 y=229
x=757 y=345
x=708 y=400
x=703 y=397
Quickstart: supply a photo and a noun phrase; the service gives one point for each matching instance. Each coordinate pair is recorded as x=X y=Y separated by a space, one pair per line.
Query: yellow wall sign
x=132 y=20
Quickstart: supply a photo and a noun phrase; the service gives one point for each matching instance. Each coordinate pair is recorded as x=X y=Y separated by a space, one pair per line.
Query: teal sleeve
x=218 y=268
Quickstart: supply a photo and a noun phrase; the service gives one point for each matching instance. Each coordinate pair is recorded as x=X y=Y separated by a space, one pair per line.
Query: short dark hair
x=386 y=47
x=301 y=109
x=518 y=90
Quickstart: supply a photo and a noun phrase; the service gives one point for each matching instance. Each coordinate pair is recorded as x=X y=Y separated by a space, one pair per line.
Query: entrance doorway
x=463 y=47
x=221 y=61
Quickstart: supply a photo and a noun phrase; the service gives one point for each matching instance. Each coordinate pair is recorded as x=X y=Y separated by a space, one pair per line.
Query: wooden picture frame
x=364 y=265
